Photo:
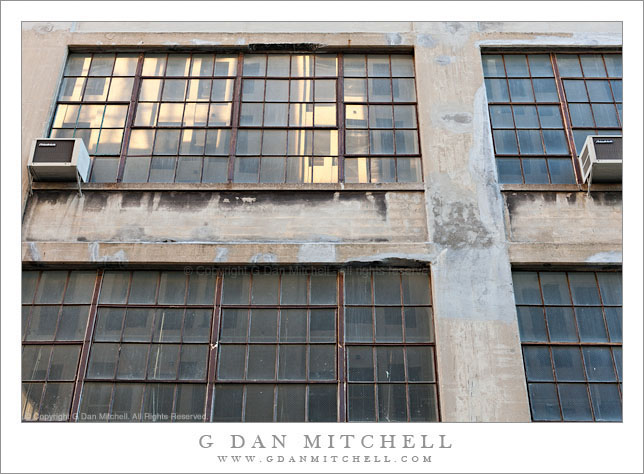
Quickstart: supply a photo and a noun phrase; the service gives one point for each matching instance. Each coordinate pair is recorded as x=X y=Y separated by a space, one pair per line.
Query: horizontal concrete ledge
x=540 y=254
x=229 y=186
x=560 y=187
x=123 y=254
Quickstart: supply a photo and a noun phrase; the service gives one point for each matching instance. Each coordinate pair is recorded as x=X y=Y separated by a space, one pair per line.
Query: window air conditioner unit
x=601 y=159
x=59 y=159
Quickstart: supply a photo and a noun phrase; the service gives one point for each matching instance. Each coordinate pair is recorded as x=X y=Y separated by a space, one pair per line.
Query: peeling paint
x=605 y=257
x=263 y=258
x=34 y=252
x=401 y=259
x=314 y=253
x=115 y=257
x=222 y=254
x=394 y=39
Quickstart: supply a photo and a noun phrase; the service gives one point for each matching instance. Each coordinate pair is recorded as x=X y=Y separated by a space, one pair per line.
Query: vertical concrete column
x=480 y=369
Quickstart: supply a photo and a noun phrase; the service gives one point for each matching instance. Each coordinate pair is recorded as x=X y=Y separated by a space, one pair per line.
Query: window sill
x=230 y=186
x=560 y=187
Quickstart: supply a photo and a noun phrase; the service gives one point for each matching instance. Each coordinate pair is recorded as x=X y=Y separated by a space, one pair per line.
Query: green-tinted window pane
x=102 y=361
x=292 y=363
x=543 y=402
x=263 y=325
x=568 y=366
x=322 y=403
x=420 y=364
x=51 y=286
x=574 y=402
x=591 y=324
x=193 y=362
x=228 y=403
x=534 y=170
x=73 y=323
x=261 y=362
x=516 y=65
x=138 y=324
x=322 y=325
x=537 y=363
x=167 y=325
x=109 y=324
x=423 y=405
x=362 y=404
x=43 y=323
x=231 y=362
x=259 y=402
x=561 y=324
x=360 y=364
x=132 y=362
x=497 y=90
x=163 y=360
x=322 y=362
x=392 y=402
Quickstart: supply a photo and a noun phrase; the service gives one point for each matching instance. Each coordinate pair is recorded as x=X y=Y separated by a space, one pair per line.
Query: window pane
x=568 y=364
x=35 y=362
x=157 y=403
x=521 y=90
x=228 y=403
x=392 y=402
x=225 y=65
x=555 y=288
x=423 y=405
x=531 y=324
x=599 y=91
x=43 y=323
x=574 y=402
x=201 y=65
x=178 y=65
x=355 y=90
x=380 y=90
x=555 y=142
x=408 y=170
x=380 y=116
x=545 y=90
x=265 y=289
x=501 y=116
x=404 y=90
x=189 y=169
x=326 y=65
x=322 y=325
x=66 y=116
x=196 y=325
x=610 y=285
x=121 y=89
x=201 y=289
x=162 y=170
x=217 y=142
x=172 y=288
x=73 y=323
x=261 y=362
x=406 y=142
x=606 y=402
x=154 y=64
x=302 y=65
x=324 y=90
x=599 y=364
x=388 y=324
x=362 y=403
x=51 y=286
x=322 y=403
x=278 y=65
x=104 y=170
x=102 y=65
x=357 y=287
x=274 y=142
x=324 y=115
x=605 y=115
x=360 y=364
x=418 y=325
x=325 y=142
x=540 y=65
x=236 y=288
x=292 y=363
x=591 y=325
x=537 y=363
x=321 y=362
x=193 y=362
x=568 y=65
x=405 y=116
x=263 y=325
x=127 y=402
x=561 y=171
x=359 y=325
x=575 y=91
x=141 y=142
x=77 y=64
x=231 y=362
x=613 y=64
x=516 y=65
x=95 y=401
x=291 y=401
x=391 y=366
x=505 y=142
x=222 y=90
x=525 y=116
x=170 y=115
x=301 y=115
x=357 y=142
x=593 y=65
x=174 y=90
x=248 y=142
x=102 y=361
x=259 y=402
x=534 y=170
x=420 y=364
x=167 y=142
x=302 y=91
x=251 y=115
x=614 y=323
x=543 y=402
x=497 y=90
x=150 y=90
x=561 y=324
x=144 y=285
x=196 y=115
x=191 y=400
x=293 y=325
x=355 y=65
x=215 y=170
x=402 y=66
x=323 y=289
x=163 y=361
x=617 y=90
x=378 y=65
x=275 y=115
x=71 y=89
x=526 y=288
x=617 y=354
x=293 y=288
x=509 y=170
x=132 y=361
x=29 y=280
x=234 y=326
x=584 y=288
x=56 y=402
x=167 y=325
x=138 y=324
x=530 y=142
x=109 y=324
x=581 y=115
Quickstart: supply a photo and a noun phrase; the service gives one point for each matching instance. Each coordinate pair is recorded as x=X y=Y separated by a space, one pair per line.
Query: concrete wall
x=459 y=221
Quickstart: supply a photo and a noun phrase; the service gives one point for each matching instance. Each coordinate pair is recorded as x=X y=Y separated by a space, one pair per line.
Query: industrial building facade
x=322 y=222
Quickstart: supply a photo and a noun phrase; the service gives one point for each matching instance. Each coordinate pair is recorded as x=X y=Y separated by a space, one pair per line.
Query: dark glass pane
x=293 y=288
x=555 y=141
x=537 y=363
x=291 y=400
x=574 y=402
x=132 y=361
x=389 y=324
x=581 y=115
x=584 y=288
x=543 y=402
x=259 y=402
x=359 y=324
x=526 y=288
x=493 y=65
x=387 y=287
x=561 y=171
x=323 y=289
x=392 y=402
x=109 y=324
x=80 y=287
x=322 y=325
x=167 y=325
x=95 y=401
x=509 y=170
x=415 y=288
x=261 y=362
x=263 y=325
x=521 y=90
x=505 y=142
x=381 y=142
x=104 y=170
x=423 y=405
x=610 y=285
x=35 y=361
x=555 y=288
x=30 y=401
x=525 y=116
x=144 y=285
x=234 y=326
x=51 y=286
x=360 y=364
x=420 y=364
x=599 y=364
x=532 y=327
x=418 y=325
x=265 y=289
x=591 y=324
x=231 y=361
x=102 y=361
x=228 y=403
x=534 y=170
x=172 y=288
x=174 y=90
x=614 y=323
x=501 y=116
x=497 y=90
x=391 y=365
x=64 y=362
x=530 y=142
x=323 y=405
x=408 y=170
x=561 y=324
x=568 y=365
x=215 y=170
x=545 y=90
x=157 y=403
x=617 y=90
x=163 y=360
x=190 y=404
x=293 y=325
x=29 y=280
x=568 y=65
x=56 y=402
x=321 y=362
x=196 y=325
x=362 y=403
x=606 y=402
x=193 y=362
x=138 y=324
x=383 y=170
x=358 y=287
x=617 y=354
x=292 y=363
x=43 y=323
x=25 y=310
x=236 y=288
x=201 y=289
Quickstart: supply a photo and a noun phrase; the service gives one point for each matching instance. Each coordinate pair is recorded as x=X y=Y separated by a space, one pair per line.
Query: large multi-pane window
x=247 y=118
x=234 y=345
x=543 y=106
x=570 y=325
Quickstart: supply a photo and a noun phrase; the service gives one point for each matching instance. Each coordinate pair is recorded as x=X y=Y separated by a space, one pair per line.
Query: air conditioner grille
x=608 y=148
x=53 y=151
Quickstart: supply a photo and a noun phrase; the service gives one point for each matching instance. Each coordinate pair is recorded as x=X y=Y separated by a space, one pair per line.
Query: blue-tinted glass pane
x=580 y=138
x=613 y=64
x=581 y=115
x=599 y=364
x=545 y=90
x=575 y=91
x=525 y=116
x=605 y=115
x=516 y=65
x=493 y=65
x=606 y=402
x=530 y=142
x=521 y=90
x=584 y=288
x=593 y=65
x=540 y=65
x=509 y=170
x=535 y=171
x=501 y=116
x=561 y=324
x=537 y=364
x=617 y=354
x=617 y=90
x=505 y=142
x=561 y=171
x=550 y=116
x=543 y=402
x=599 y=91
x=568 y=365
x=555 y=142
x=532 y=326
x=614 y=323
x=568 y=65
x=497 y=90
x=574 y=402
x=591 y=324
x=526 y=288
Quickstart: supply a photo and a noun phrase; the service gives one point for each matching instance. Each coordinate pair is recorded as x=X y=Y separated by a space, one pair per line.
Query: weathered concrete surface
x=254 y=216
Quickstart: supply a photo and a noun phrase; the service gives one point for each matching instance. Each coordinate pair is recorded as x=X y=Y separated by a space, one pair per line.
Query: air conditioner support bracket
x=590 y=181
x=78 y=180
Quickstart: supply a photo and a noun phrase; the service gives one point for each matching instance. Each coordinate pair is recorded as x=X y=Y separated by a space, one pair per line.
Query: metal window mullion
x=236 y=106
x=129 y=121
x=340 y=116
x=341 y=354
x=543 y=140
x=516 y=132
